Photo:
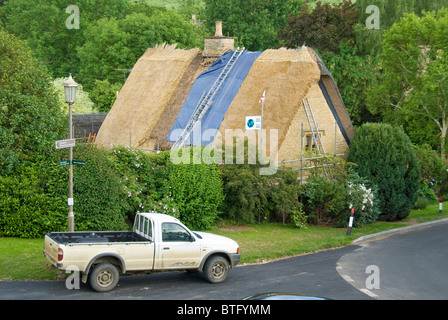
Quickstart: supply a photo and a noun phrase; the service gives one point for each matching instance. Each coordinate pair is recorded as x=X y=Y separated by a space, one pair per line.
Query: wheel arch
x=214 y=254
x=111 y=258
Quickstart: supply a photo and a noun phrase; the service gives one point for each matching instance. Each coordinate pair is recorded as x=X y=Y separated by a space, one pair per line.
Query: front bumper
x=235 y=259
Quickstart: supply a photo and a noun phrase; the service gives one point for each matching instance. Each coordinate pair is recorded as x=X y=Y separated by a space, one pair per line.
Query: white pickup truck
x=158 y=243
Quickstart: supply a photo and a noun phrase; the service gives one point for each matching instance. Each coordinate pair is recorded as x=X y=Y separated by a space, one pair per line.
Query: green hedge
x=27 y=207
x=33 y=200
x=197 y=191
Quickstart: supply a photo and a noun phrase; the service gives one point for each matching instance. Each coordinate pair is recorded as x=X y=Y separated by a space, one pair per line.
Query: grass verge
x=22 y=259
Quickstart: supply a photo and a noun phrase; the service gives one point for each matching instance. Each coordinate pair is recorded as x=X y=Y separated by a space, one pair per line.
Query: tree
x=324 y=28
x=413 y=85
x=253 y=22
x=30 y=115
x=42 y=23
x=103 y=94
x=384 y=156
x=113 y=43
x=390 y=12
x=354 y=75
x=83 y=103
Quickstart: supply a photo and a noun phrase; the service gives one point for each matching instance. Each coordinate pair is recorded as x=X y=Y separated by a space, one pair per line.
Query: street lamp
x=70 y=87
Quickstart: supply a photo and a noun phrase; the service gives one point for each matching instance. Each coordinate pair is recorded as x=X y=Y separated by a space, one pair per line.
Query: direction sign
x=78 y=162
x=60 y=144
x=75 y=162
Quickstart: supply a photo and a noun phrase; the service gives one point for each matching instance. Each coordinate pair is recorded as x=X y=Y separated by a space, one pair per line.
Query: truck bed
x=96 y=237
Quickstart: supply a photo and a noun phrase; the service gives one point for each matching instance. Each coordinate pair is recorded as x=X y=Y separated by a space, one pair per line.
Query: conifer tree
x=384 y=155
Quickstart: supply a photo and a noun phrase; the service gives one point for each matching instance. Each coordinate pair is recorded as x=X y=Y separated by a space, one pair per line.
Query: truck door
x=179 y=249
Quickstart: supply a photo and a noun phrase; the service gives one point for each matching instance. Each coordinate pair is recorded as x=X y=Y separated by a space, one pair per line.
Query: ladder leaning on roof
x=316 y=136
x=206 y=101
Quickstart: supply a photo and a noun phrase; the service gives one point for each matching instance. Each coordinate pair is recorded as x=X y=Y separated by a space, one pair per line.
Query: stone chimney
x=218 y=44
x=218 y=32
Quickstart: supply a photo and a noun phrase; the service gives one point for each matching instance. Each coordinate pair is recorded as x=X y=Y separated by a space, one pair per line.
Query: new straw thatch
x=288 y=76
x=142 y=100
x=158 y=85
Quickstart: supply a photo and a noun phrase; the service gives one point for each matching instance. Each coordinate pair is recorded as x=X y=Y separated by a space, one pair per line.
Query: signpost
x=61 y=144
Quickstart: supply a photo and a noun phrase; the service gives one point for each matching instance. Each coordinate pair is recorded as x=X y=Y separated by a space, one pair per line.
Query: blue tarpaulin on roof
x=221 y=102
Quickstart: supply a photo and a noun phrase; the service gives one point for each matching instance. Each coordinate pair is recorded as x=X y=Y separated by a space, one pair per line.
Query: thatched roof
x=161 y=80
x=143 y=99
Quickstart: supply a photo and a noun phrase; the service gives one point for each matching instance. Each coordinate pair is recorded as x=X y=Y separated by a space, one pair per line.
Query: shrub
x=197 y=192
x=27 y=207
x=98 y=195
x=384 y=155
x=325 y=200
x=433 y=172
x=251 y=197
x=283 y=204
x=133 y=169
x=245 y=193
x=112 y=186
x=362 y=196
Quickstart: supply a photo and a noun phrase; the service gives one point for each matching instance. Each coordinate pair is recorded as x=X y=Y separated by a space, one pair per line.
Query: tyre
x=104 y=277
x=216 y=269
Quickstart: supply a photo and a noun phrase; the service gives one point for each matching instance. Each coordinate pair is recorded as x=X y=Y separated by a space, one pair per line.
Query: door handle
x=166 y=248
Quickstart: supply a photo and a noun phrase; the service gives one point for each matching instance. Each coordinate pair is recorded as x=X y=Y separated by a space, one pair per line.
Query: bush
x=433 y=175
x=385 y=157
x=27 y=207
x=133 y=168
x=98 y=195
x=325 y=200
x=245 y=194
x=197 y=192
x=282 y=191
x=362 y=196
x=251 y=197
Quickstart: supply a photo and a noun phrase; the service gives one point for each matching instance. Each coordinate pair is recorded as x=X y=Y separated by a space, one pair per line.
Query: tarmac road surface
x=410 y=265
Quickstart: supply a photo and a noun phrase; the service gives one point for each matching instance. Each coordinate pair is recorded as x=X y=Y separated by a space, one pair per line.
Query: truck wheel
x=216 y=269
x=104 y=277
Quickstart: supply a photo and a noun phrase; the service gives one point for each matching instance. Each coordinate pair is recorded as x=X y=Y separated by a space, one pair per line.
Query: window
x=310 y=142
x=174 y=232
x=147 y=228
x=143 y=227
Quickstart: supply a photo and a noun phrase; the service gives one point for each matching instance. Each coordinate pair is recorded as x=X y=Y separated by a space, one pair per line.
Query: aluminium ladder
x=206 y=101
x=316 y=136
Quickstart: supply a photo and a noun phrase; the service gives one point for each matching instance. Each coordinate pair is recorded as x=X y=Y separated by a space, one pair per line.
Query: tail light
x=60 y=254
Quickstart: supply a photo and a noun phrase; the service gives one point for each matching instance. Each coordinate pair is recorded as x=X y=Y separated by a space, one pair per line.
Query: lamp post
x=70 y=87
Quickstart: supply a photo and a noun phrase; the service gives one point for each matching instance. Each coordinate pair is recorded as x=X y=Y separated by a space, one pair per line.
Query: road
x=411 y=265
x=313 y=274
